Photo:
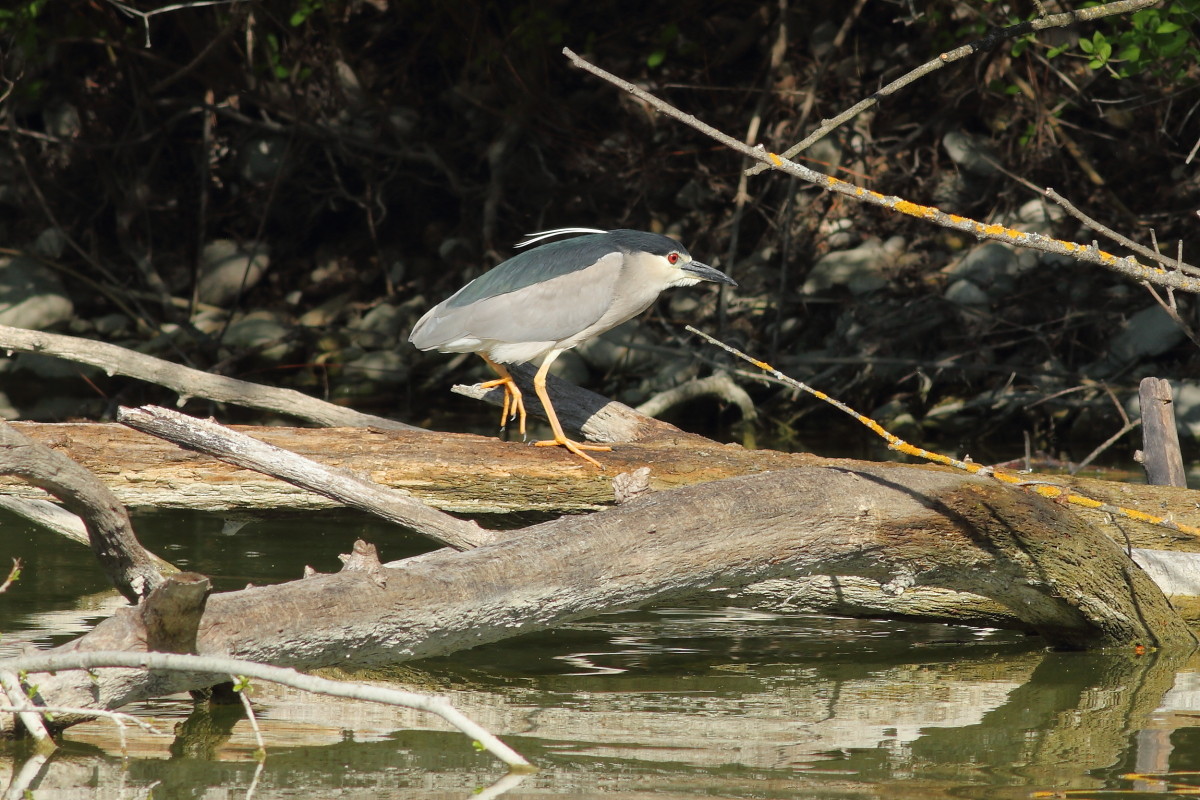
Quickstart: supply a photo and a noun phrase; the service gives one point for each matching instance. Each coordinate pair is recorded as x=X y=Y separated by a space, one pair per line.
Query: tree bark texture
x=469 y=474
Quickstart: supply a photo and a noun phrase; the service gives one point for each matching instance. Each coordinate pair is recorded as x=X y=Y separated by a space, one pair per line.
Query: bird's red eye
x=673 y=258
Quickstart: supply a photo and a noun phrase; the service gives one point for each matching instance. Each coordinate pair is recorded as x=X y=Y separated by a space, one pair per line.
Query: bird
x=546 y=300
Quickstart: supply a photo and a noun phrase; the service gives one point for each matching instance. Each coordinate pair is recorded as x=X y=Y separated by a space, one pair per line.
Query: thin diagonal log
x=900 y=526
x=189 y=382
x=241 y=450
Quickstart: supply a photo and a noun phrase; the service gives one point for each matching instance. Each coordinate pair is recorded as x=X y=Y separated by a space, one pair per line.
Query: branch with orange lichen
x=1090 y=253
x=1046 y=489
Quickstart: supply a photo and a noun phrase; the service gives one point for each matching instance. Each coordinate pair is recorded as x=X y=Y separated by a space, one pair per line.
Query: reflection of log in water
x=1076 y=713
x=1037 y=718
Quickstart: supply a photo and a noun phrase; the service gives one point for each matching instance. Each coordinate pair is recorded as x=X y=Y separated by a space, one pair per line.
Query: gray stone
x=571 y=367
x=970 y=154
x=111 y=324
x=1040 y=212
x=260 y=159
x=966 y=293
x=624 y=346
x=31 y=296
x=259 y=329
x=384 y=319
x=379 y=367
x=861 y=270
x=50 y=243
x=984 y=263
x=1187 y=407
x=227 y=268
x=1149 y=332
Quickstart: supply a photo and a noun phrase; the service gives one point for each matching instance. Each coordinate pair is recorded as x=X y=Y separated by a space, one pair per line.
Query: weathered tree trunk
x=479 y=475
x=900 y=526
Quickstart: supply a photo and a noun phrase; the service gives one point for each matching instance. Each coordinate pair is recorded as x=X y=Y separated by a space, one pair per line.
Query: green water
x=695 y=701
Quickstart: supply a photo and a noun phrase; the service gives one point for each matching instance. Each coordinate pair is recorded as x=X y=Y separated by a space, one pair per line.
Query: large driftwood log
x=900 y=526
x=473 y=474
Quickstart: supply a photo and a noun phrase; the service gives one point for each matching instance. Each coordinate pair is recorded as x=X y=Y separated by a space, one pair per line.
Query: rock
x=111 y=325
x=260 y=159
x=861 y=270
x=966 y=293
x=838 y=233
x=1149 y=332
x=382 y=368
x=227 y=269
x=7 y=409
x=31 y=296
x=260 y=329
x=824 y=156
x=50 y=243
x=618 y=348
x=983 y=264
x=1040 y=212
x=1187 y=407
x=970 y=154
x=571 y=367
x=382 y=326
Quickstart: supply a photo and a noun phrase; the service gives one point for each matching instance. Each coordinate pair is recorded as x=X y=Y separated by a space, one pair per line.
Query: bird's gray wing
x=550 y=311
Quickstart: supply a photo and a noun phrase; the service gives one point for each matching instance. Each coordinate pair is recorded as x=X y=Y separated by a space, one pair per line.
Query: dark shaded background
x=385 y=152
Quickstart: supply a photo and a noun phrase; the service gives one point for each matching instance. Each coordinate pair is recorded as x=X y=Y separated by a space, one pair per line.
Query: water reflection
x=678 y=702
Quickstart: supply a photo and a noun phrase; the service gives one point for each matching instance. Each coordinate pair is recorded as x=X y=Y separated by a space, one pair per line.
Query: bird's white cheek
x=684 y=280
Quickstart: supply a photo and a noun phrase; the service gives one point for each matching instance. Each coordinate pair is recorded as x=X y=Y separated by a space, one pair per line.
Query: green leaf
x=656 y=58
x=1168 y=27
x=1131 y=53
x=1086 y=45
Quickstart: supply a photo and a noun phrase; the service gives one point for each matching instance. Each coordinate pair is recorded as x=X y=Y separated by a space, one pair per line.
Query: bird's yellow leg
x=560 y=438
x=512 y=394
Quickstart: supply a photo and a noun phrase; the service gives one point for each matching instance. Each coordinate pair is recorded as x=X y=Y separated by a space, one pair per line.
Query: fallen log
x=901 y=526
x=462 y=473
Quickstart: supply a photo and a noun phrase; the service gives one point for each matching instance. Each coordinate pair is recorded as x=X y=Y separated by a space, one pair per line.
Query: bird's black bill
x=707 y=273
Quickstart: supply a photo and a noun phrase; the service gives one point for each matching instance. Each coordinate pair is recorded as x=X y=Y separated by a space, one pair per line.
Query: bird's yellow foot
x=512 y=401
x=576 y=447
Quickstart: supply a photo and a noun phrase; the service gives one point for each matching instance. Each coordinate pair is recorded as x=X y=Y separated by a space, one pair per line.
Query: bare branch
x=1091 y=254
x=190 y=382
x=287 y=677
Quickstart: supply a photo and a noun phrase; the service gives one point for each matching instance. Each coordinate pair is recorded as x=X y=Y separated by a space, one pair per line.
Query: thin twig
x=1124 y=241
x=1107 y=443
x=23 y=708
x=1091 y=254
x=14 y=575
x=433 y=704
x=1043 y=488
x=1172 y=310
x=242 y=687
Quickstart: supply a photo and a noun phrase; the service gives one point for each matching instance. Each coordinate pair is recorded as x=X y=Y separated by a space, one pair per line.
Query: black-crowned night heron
x=551 y=298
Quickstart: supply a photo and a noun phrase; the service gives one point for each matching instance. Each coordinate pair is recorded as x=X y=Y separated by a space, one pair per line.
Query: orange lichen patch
x=915 y=210
x=776 y=160
x=957 y=220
